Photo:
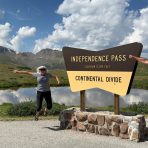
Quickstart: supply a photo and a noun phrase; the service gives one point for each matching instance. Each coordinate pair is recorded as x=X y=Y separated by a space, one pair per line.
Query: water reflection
x=63 y=95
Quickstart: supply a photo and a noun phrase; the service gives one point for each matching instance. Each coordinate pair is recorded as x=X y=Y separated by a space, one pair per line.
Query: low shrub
x=22 y=109
x=141 y=107
x=56 y=109
x=28 y=108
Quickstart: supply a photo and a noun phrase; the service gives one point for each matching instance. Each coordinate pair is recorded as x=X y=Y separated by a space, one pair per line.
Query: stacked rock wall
x=104 y=123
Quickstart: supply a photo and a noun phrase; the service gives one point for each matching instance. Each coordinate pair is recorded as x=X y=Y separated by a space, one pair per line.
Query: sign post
x=116 y=104
x=111 y=70
x=82 y=100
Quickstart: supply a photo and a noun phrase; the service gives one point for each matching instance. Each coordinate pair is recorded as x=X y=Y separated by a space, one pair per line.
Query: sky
x=32 y=25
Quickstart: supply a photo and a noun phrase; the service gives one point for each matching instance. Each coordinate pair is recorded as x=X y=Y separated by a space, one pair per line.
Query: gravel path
x=45 y=134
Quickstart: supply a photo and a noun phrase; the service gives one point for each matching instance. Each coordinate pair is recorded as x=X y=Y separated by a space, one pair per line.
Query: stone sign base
x=104 y=123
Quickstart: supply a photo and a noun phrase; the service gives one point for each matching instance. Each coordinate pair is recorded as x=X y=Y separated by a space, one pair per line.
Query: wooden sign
x=110 y=69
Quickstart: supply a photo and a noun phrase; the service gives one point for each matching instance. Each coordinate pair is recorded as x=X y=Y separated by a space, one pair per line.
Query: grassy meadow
x=26 y=110
x=141 y=77
x=10 y=80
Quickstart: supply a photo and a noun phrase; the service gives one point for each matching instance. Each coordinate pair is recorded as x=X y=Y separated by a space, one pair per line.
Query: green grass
x=8 y=79
x=140 y=108
x=123 y=111
x=27 y=108
x=4 y=109
x=26 y=111
x=141 y=77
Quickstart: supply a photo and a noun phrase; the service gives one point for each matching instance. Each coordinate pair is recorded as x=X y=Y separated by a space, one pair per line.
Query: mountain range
x=53 y=59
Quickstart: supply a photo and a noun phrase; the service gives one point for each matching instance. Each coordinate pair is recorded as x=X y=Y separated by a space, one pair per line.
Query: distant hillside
x=53 y=59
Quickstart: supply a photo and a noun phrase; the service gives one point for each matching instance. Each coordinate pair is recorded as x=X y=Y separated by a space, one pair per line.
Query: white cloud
x=140 y=31
x=17 y=41
x=7 y=96
x=5 y=29
x=94 y=25
x=23 y=32
x=2 y=13
x=18 y=11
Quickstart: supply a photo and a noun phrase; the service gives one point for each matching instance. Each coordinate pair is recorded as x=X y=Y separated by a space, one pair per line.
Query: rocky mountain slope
x=53 y=59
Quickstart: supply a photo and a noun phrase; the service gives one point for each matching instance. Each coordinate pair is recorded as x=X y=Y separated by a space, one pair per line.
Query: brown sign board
x=110 y=69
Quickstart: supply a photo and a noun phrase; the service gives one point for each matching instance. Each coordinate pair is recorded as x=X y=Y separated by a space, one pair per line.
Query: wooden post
x=82 y=100
x=116 y=104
